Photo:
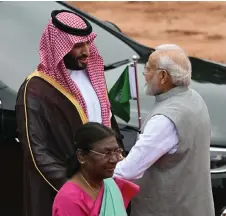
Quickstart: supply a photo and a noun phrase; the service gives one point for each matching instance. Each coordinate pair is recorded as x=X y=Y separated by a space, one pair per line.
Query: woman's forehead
x=106 y=143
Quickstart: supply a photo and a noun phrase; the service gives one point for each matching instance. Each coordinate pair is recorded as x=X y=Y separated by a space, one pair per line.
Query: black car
x=22 y=24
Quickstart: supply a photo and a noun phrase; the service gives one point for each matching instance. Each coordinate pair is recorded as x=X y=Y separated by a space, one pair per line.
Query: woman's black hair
x=85 y=137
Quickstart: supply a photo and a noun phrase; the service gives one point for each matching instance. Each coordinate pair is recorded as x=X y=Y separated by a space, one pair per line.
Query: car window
x=22 y=25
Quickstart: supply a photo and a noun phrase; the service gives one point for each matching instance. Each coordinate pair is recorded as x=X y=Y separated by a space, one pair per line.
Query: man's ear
x=164 y=77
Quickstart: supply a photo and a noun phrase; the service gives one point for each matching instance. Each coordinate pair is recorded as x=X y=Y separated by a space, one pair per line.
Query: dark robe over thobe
x=47 y=120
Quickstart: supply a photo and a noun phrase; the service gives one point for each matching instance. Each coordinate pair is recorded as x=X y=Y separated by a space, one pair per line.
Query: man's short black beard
x=72 y=63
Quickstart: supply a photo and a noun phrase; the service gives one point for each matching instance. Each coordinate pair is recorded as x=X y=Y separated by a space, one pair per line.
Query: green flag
x=119 y=96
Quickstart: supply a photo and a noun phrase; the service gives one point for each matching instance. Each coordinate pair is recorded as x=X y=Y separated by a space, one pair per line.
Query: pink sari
x=71 y=200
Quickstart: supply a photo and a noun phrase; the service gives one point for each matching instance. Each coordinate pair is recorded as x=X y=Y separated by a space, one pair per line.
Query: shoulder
x=41 y=91
x=68 y=199
x=32 y=87
x=37 y=85
x=69 y=190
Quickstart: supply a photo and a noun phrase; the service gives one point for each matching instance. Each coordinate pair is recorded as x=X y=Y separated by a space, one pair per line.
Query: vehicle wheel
x=113 y=26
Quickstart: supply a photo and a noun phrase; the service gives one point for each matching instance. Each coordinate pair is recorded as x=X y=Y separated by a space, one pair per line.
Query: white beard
x=148 y=90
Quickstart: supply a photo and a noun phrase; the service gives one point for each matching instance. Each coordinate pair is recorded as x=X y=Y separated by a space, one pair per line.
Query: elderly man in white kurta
x=170 y=160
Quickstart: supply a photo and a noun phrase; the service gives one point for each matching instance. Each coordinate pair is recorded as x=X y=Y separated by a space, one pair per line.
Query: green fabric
x=112 y=203
x=119 y=96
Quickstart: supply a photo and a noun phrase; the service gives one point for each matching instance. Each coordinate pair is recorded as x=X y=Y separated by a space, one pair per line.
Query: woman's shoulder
x=70 y=198
x=69 y=191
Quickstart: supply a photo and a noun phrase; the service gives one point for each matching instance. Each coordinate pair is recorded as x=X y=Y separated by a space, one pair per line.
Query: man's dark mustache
x=72 y=63
x=82 y=56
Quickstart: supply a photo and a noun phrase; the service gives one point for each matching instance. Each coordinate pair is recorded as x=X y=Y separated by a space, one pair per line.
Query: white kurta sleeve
x=159 y=137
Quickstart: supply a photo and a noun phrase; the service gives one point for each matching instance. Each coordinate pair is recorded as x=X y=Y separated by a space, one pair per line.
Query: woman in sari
x=91 y=190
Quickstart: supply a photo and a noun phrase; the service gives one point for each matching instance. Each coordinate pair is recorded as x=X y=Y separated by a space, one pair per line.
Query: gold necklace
x=94 y=190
